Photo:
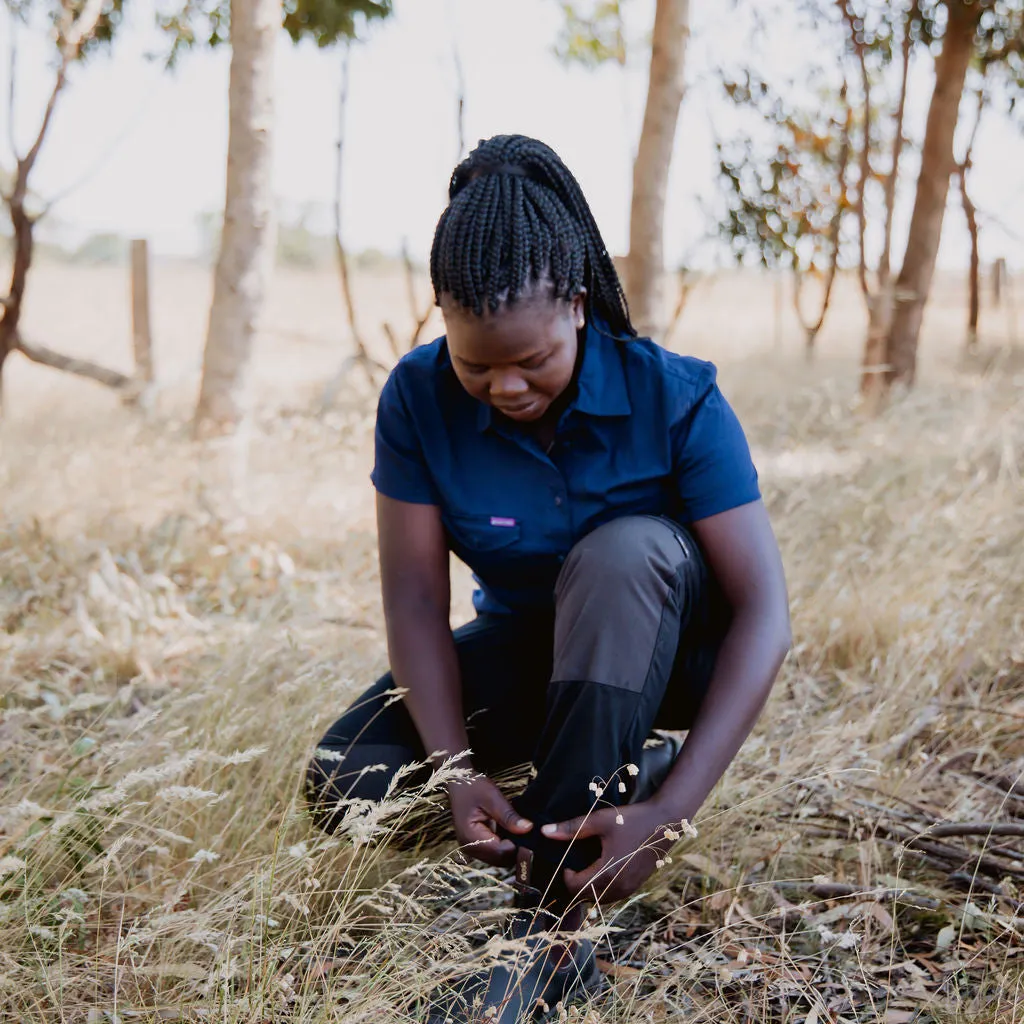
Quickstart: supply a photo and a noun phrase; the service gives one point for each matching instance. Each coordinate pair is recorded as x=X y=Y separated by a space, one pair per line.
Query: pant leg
x=505 y=663
x=627 y=595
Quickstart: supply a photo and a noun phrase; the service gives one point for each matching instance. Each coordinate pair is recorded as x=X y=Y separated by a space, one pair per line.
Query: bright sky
x=169 y=130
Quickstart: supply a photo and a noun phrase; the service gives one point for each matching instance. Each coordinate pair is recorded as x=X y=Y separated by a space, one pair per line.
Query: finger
x=575 y=828
x=579 y=881
x=504 y=813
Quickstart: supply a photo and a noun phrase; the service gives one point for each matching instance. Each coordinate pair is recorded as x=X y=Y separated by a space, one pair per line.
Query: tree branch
x=97 y=165
x=865 y=155
x=834 y=229
x=69 y=364
x=339 y=245
x=460 y=99
x=11 y=85
x=897 y=148
x=26 y=163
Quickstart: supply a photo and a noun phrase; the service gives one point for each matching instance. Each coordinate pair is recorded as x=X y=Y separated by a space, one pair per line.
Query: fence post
x=142 y=337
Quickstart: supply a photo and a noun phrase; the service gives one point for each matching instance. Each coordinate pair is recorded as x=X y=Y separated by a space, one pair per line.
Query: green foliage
x=208 y=22
x=330 y=21
x=54 y=13
x=1000 y=45
x=782 y=196
x=593 y=38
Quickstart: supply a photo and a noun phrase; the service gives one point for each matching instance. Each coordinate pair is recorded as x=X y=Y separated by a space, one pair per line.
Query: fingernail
x=549 y=829
x=524 y=823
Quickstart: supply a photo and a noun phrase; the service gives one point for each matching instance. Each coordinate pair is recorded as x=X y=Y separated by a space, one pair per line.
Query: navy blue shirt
x=647 y=432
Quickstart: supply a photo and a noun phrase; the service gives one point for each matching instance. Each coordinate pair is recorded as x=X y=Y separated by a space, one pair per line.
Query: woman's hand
x=476 y=806
x=633 y=839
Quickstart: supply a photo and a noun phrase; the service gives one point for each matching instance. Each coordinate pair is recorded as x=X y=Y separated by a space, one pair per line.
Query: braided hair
x=517 y=216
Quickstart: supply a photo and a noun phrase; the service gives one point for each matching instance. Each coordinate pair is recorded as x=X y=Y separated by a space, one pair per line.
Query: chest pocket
x=480 y=534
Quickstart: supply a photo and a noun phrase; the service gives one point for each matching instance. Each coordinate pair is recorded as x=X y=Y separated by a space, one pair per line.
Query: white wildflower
x=671 y=834
x=688 y=829
x=622 y=787
x=596 y=789
x=619 y=820
x=633 y=770
x=659 y=863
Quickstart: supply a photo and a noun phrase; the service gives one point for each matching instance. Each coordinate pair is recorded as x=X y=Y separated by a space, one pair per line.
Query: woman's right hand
x=477 y=806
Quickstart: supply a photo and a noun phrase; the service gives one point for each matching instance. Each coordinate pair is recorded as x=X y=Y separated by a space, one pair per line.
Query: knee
x=628 y=555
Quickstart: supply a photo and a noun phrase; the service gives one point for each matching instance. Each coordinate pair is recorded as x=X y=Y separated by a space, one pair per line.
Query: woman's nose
x=507 y=385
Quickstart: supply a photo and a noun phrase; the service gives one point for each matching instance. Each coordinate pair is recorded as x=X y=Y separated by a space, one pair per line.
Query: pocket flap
x=483 y=533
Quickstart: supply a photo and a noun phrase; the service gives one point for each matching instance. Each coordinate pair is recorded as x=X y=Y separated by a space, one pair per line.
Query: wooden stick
x=978 y=828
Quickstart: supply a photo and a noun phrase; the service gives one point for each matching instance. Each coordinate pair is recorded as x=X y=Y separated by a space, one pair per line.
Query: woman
x=602 y=491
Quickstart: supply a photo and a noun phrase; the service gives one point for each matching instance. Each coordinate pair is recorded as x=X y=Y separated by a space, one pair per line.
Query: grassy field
x=179 y=622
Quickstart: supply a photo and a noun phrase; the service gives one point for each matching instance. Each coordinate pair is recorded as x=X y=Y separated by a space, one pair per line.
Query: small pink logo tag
x=502 y=521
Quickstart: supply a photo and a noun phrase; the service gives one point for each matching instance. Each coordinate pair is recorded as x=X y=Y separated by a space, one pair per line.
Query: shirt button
x=558 y=499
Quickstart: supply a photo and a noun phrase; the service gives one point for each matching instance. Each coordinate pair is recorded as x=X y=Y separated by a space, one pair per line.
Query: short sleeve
x=711 y=458
x=400 y=468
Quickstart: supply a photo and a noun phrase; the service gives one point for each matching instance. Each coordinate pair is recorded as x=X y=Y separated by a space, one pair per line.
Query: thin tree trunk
x=971 y=216
x=974 y=303
x=897 y=149
x=937 y=164
x=865 y=152
x=813 y=328
x=646 y=262
x=246 y=248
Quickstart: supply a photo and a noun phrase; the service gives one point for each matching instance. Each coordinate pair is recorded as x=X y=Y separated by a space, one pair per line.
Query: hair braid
x=517 y=216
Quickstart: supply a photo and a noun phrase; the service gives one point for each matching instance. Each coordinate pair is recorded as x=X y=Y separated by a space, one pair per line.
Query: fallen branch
x=977 y=828
x=843 y=890
x=70 y=364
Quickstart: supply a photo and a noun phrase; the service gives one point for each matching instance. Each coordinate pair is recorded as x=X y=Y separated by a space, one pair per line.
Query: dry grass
x=178 y=624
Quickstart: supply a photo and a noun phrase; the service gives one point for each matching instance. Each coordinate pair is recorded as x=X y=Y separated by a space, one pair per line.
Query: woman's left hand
x=633 y=840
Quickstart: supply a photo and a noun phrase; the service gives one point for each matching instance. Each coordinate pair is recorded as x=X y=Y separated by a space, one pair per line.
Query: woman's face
x=519 y=359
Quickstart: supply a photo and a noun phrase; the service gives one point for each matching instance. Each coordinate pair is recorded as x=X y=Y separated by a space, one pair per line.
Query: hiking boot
x=655 y=764
x=532 y=978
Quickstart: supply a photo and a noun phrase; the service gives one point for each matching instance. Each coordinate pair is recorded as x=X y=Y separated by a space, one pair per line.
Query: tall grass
x=165 y=677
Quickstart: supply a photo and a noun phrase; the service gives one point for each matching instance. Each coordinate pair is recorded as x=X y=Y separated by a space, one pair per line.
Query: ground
x=179 y=622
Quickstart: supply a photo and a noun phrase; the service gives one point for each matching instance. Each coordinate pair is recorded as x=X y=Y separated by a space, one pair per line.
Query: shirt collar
x=601 y=387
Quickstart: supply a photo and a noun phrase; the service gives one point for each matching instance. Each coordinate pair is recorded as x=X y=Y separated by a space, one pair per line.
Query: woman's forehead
x=512 y=329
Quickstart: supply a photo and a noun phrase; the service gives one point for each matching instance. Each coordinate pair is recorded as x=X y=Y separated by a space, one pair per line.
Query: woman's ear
x=579 y=308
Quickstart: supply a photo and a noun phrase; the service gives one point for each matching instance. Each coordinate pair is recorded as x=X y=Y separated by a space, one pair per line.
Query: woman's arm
x=742 y=554
x=416 y=588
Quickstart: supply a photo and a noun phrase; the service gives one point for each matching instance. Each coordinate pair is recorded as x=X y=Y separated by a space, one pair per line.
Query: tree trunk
x=246 y=247
x=974 y=303
x=646 y=262
x=23 y=246
x=937 y=164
